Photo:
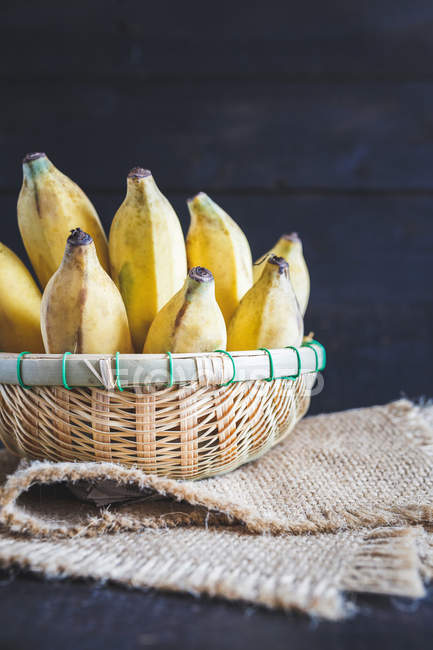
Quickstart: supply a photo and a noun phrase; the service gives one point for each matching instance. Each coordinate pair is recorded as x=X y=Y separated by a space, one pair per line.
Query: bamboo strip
x=139 y=369
x=145 y=431
x=62 y=414
x=100 y=410
x=188 y=433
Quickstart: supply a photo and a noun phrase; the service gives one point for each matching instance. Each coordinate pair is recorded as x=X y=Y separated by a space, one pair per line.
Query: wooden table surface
x=315 y=117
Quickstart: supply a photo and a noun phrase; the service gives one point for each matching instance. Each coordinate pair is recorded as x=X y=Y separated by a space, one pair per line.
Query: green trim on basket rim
x=271 y=365
x=232 y=380
x=20 y=381
x=170 y=369
x=294 y=377
x=310 y=345
x=117 y=373
x=65 y=383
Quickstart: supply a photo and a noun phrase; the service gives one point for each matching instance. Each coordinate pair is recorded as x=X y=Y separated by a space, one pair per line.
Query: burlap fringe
x=18 y=520
x=316 y=600
x=215 y=510
x=425 y=553
x=209 y=510
x=417 y=429
x=387 y=562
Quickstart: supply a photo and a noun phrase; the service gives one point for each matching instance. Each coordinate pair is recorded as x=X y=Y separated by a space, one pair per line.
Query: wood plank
x=376 y=353
x=139 y=618
x=295 y=41
x=217 y=136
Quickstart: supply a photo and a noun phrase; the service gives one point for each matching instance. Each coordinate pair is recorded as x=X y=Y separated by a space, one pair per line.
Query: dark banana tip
x=29 y=157
x=280 y=262
x=79 y=238
x=200 y=274
x=139 y=172
x=293 y=236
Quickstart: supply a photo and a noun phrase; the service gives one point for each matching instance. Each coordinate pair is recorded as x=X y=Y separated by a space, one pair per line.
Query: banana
x=268 y=315
x=147 y=252
x=215 y=241
x=290 y=248
x=20 y=306
x=49 y=206
x=82 y=310
x=191 y=321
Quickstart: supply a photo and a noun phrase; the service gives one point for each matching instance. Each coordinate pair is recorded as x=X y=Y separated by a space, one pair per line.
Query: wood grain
x=295 y=41
x=224 y=135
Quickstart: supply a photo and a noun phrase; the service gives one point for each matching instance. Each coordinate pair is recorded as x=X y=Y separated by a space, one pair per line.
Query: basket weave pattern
x=189 y=432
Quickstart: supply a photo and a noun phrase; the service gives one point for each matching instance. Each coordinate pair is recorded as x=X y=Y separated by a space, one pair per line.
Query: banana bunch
x=136 y=293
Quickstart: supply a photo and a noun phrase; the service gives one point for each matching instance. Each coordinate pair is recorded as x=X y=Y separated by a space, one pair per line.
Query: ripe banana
x=82 y=310
x=215 y=241
x=268 y=315
x=20 y=306
x=290 y=248
x=147 y=252
x=49 y=206
x=191 y=321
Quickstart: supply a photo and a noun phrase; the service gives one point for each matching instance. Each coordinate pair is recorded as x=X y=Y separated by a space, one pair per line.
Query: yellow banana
x=20 y=306
x=215 y=241
x=290 y=248
x=268 y=315
x=191 y=321
x=147 y=252
x=82 y=310
x=49 y=206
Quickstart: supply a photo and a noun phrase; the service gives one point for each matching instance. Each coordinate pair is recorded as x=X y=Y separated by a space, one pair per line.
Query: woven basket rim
x=103 y=370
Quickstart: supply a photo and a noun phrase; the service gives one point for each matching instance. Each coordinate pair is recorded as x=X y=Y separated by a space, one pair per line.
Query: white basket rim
x=210 y=368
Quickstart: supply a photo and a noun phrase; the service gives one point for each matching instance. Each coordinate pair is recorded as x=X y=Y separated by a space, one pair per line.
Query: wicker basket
x=180 y=416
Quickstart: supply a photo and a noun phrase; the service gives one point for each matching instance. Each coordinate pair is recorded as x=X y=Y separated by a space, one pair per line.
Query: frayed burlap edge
x=18 y=520
x=387 y=562
x=384 y=561
x=402 y=413
x=425 y=553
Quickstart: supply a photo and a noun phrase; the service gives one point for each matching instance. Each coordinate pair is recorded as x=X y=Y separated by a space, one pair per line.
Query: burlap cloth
x=344 y=504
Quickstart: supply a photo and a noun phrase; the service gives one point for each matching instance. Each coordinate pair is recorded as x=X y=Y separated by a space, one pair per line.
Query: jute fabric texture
x=344 y=504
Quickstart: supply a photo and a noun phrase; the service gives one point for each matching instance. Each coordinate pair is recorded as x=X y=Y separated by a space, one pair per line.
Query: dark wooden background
x=313 y=116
